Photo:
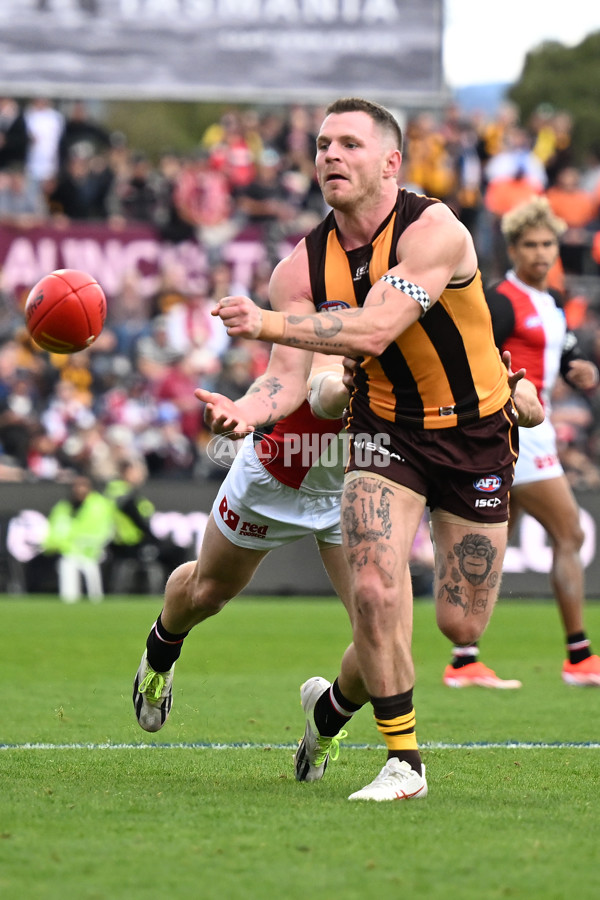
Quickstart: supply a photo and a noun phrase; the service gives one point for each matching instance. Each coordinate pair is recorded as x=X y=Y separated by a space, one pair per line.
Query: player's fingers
x=204 y=395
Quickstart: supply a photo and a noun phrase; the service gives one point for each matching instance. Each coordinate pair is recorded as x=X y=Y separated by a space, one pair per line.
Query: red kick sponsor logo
x=232 y=520
x=250 y=529
x=230 y=517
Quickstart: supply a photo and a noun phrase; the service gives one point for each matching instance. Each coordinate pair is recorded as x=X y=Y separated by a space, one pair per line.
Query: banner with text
x=390 y=50
x=115 y=257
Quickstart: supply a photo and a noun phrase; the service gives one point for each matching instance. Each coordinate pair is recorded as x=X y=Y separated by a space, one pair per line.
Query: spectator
x=82 y=187
x=133 y=546
x=266 y=204
x=590 y=176
x=79 y=529
x=81 y=129
x=88 y=451
x=428 y=162
x=562 y=152
x=511 y=181
x=176 y=387
x=195 y=333
x=570 y=201
x=579 y=209
x=129 y=315
x=14 y=139
x=43 y=462
x=45 y=126
x=75 y=368
x=129 y=403
x=167 y=218
x=153 y=352
x=259 y=285
x=233 y=155
x=492 y=134
x=135 y=198
x=237 y=372
x=202 y=199
x=18 y=417
x=64 y=411
x=516 y=156
x=469 y=177
x=22 y=201
x=168 y=452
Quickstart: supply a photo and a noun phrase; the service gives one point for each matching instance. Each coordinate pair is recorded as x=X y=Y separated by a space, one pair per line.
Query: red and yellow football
x=65 y=311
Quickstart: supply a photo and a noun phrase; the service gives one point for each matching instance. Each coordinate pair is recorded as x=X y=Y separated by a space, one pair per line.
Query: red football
x=65 y=311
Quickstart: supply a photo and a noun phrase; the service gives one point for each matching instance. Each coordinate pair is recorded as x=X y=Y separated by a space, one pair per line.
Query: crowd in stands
x=131 y=393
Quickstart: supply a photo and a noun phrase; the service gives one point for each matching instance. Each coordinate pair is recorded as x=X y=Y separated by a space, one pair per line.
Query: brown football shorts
x=467 y=471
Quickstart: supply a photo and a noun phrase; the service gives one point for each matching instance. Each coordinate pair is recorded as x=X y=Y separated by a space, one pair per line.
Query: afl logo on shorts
x=333 y=305
x=488 y=484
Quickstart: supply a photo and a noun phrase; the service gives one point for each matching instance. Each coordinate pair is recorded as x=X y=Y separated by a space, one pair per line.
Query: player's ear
x=392 y=164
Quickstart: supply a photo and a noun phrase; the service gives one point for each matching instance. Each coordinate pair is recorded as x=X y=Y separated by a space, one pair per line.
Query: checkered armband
x=413 y=290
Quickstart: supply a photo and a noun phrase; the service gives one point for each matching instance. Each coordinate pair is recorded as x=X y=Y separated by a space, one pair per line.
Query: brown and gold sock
x=395 y=719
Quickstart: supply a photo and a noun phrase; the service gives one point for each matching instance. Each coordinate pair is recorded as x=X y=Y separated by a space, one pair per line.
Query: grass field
x=91 y=807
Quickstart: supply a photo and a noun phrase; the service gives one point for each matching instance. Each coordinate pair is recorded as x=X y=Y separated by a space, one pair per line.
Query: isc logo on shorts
x=487 y=502
x=488 y=484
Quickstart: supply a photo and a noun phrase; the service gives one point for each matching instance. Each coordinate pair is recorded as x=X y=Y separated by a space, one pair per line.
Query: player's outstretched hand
x=222 y=415
x=240 y=316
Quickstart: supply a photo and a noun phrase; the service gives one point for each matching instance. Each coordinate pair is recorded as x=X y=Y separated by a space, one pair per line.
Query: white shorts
x=538 y=457
x=254 y=510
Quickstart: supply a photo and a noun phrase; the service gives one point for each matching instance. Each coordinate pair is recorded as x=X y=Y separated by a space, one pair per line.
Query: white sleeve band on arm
x=415 y=291
x=314 y=396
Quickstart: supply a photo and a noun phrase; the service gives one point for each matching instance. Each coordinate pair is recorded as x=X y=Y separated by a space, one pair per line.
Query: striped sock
x=395 y=719
x=333 y=710
x=464 y=656
x=578 y=647
x=163 y=647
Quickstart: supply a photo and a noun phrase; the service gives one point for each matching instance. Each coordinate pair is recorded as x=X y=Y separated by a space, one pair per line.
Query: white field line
x=433 y=745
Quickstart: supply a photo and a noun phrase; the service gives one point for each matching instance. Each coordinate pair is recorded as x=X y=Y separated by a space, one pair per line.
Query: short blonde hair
x=536 y=213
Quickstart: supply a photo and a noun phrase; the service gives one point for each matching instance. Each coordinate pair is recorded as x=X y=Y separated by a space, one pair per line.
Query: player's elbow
x=375 y=342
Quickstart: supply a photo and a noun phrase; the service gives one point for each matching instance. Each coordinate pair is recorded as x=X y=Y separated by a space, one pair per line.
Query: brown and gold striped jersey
x=441 y=372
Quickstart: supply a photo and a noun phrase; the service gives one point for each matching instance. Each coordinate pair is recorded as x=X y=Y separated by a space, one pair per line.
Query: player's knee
x=207 y=597
x=578 y=538
x=462 y=632
x=569 y=543
x=372 y=600
x=202 y=597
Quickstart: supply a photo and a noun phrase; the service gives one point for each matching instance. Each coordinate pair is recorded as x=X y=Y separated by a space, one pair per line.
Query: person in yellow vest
x=79 y=528
x=133 y=544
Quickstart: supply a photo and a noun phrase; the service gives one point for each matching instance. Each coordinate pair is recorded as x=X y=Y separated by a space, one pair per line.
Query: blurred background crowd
x=130 y=395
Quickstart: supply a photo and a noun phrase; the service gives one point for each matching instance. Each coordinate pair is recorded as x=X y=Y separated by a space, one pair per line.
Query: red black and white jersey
x=304 y=452
x=532 y=325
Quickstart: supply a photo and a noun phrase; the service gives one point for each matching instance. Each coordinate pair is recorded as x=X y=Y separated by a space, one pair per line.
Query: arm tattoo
x=323 y=329
x=272 y=386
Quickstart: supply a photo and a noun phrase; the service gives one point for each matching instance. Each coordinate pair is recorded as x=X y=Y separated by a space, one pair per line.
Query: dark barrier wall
x=182 y=509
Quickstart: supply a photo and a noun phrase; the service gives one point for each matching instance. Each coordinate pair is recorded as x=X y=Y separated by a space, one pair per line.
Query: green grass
x=182 y=820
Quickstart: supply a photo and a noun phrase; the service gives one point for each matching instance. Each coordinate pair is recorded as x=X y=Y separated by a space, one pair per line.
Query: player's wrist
x=272 y=325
